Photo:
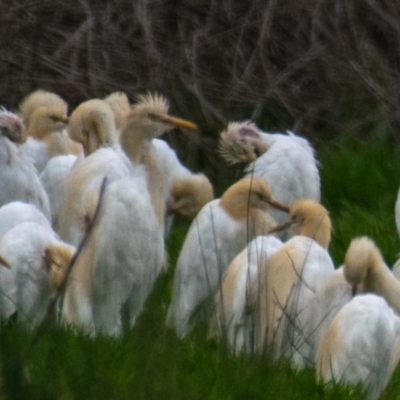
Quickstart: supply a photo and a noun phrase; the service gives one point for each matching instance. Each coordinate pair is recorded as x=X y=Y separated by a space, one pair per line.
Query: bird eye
x=153 y=117
x=257 y=153
x=54 y=118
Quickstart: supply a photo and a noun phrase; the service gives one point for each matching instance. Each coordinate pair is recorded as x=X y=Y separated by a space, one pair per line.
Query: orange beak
x=281 y=227
x=4 y=263
x=279 y=206
x=176 y=121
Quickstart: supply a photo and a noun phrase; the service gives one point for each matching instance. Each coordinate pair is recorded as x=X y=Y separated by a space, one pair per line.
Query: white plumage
x=37 y=259
x=147 y=119
x=83 y=180
x=187 y=192
x=16 y=212
x=53 y=180
x=235 y=301
x=286 y=162
x=362 y=345
x=328 y=301
x=289 y=281
x=219 y=232
x=396 y=266
x=12 y=214
x=119 y=265
x=19 y=179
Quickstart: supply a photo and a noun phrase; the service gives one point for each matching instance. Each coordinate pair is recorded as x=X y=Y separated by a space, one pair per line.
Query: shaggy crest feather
x=152 y=101
x=11 y=126
x=235 y=144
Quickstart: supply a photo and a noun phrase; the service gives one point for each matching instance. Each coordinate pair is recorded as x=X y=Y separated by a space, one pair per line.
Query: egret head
x=149 y=117
x=240 y=142
x=11 y=126
x=92 y=124
x=248 y=194
x=190 y=194
x=309 y=218
x=361 y=257
x=44 y=113
x=57 y=258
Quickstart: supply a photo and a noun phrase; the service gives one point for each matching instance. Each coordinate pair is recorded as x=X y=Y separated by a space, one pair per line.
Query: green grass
x=359 y=183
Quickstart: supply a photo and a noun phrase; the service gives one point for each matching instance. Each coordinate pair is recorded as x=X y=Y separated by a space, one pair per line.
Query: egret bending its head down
x=311 y=219
x=11 y=126
x=190 y=194
x=362 y=345
x=38 y=261
x=242 y=142
x=92 y=124
x=286 y=161
x=364 y=266
x=289 y=281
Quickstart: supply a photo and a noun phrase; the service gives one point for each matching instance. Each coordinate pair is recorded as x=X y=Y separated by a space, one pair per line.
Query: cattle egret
x=219 y=232
x=92 y=124
x=289 y=280
x=188 y=192
x=235 y=301
x=37 y=261
x=362 y=345
x=18 y=177
x=53 y=179
x=84 y=179
x=286 y=162
x=45 y=117
x=12 y=214
x=366 y=271
x=328 y=300
x=120 y=263
x=147 y=119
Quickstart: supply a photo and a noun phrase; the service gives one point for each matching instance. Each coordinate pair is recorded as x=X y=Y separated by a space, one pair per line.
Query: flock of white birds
x=254 y=265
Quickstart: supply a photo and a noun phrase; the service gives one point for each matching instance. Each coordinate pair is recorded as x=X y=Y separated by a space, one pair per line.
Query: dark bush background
x=325 y=68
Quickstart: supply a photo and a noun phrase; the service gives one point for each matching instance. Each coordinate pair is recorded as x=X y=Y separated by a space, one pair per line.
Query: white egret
x=235 y=301
x=53 y=178
x=366 y=271
x=286 y=161
x=118 y=267
x=289 y=280
x=45 y=116
x=18 y=178
x=37 y=261
x=219 y=232
x=362 y=345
